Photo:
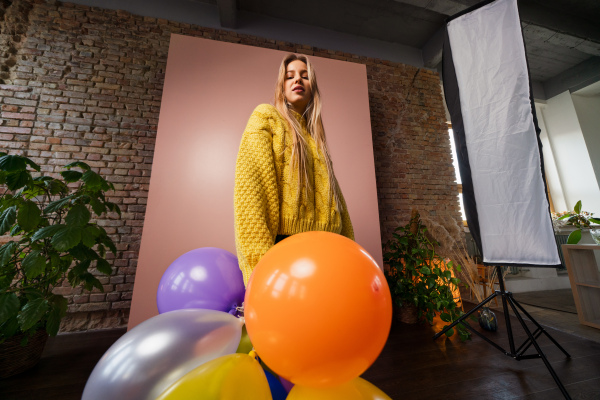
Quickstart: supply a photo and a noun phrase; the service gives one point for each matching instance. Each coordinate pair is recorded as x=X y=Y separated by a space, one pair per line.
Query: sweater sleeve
x=256 y=201
x=347 y=229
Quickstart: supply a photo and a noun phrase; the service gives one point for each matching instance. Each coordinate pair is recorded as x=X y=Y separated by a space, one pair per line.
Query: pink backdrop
x=210 y=90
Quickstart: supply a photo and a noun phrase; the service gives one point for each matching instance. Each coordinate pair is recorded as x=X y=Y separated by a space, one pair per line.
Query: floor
x=556 y=308
x=411 y=366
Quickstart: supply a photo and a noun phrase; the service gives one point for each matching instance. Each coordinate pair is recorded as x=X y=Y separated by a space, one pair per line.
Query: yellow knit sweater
x=265 y=196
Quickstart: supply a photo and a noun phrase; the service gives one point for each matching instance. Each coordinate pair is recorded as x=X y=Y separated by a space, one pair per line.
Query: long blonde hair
x=314 y=124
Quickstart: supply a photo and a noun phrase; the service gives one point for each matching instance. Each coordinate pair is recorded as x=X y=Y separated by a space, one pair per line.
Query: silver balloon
x=145 y=361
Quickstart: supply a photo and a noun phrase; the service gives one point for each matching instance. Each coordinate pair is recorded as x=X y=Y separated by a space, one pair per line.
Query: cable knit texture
x=266 y=202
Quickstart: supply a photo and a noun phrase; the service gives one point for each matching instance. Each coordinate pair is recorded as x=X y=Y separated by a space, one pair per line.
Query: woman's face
x=297 y=86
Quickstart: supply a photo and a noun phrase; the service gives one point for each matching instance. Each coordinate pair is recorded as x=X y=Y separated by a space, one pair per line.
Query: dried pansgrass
x=452 y=246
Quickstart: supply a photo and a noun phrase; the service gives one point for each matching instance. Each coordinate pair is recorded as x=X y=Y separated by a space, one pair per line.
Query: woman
x=284 y=180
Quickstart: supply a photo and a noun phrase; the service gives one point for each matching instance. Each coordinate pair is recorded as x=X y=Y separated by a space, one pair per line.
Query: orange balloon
x=318 y=309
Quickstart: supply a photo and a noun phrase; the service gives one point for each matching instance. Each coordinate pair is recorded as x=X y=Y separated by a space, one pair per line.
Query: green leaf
x=102 y=250
x=11 y=163
x=10 y=327
x=29 y=215
x=67 y=237
x=109 y=243
x=94 y=181
x=564 y=216
x=9 y=306
x=76 y=273
x=17 y=180
x=57 y=312
x=34 y=264
x=445 y=317
x=79 y=164
x=87 y=238
x=32 y=313
x=32 y=164
x=57 y=187
x=113 y=207
x=594 y=220
x=574 y=237
x=97 y=206
x=57 y=204
x=15 y=230
x=425 y=271
x=577 y=208
x=82 y=253
x=71 y=176
x=78 y=215
x=32 y=293
x=90 y=282
x=7 y=219
x=450 y=332
x=6 y=252
x=46 y=232
x=104 y=266
x=33 y=191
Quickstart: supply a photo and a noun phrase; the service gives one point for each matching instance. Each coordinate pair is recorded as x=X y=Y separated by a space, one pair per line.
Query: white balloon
x=145 y=361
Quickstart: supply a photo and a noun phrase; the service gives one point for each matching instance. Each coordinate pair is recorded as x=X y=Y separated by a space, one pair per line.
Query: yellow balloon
x=245 y=343
x=230 y=377
x=356 y=389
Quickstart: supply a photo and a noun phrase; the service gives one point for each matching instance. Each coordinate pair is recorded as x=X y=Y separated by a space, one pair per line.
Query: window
x=457 y=173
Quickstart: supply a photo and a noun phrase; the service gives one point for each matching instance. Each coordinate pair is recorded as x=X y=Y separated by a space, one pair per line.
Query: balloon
x=287 y=385
x=231 y=377
x=207 y=278
x=356 y=389
x=245 y=344
x=318 y=309
x=156 y=353
x=277 y=390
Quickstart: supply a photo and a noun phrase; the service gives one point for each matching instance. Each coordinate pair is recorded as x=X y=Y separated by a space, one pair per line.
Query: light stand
x=519 y=353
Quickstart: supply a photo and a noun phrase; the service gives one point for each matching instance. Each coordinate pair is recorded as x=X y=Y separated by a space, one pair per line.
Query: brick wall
x=81 y=83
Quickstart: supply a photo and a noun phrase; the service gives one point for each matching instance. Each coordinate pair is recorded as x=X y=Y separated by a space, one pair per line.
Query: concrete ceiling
x=562 y=37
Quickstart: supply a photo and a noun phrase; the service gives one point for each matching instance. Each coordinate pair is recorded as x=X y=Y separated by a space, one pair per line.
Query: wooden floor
x=411 y=366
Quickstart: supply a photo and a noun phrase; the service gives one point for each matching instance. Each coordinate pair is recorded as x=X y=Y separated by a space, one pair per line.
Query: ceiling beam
x=561 y=22
x=432 y=50
x=228 y=13
x=575 y=78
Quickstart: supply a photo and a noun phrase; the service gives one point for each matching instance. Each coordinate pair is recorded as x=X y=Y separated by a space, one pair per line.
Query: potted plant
x=51 y=239
x=419 y=279
x=578 y=219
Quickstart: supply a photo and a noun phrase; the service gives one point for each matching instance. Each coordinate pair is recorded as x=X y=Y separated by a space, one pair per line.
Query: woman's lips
x=298 y=89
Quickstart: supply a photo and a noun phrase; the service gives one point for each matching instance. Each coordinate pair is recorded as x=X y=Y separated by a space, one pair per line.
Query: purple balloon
x=207 y=278
x=287 y=385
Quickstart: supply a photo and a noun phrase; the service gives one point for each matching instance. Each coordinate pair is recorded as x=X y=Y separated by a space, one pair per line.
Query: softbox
x=488 y=94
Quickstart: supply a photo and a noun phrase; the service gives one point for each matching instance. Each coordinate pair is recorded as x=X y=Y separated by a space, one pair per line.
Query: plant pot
x=15 y=358
x=487 y=319
x=407 y=314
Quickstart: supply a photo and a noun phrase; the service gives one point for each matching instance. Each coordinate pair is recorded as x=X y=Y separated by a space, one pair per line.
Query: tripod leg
x=537 y=347
x=515 y=302
x=465 y=316
x=503 y=292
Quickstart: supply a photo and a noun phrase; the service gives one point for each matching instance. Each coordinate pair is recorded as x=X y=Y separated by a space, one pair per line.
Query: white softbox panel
x=488 y=93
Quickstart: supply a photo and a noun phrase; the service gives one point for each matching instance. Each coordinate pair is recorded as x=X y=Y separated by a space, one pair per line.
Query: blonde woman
x=284 y=180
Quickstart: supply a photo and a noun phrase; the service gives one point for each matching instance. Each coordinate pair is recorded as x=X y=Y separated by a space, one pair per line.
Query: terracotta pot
x=407 y=314
x=15 y=358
